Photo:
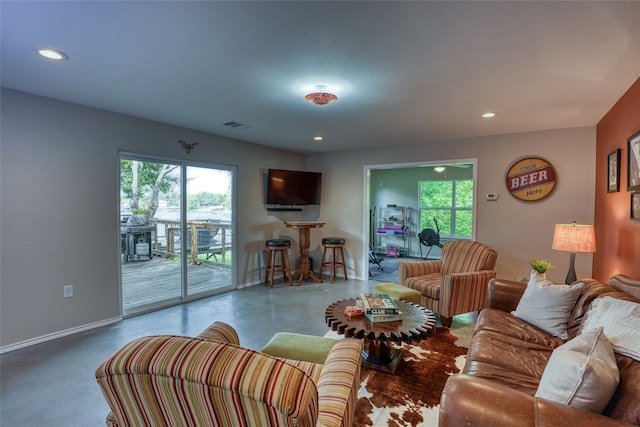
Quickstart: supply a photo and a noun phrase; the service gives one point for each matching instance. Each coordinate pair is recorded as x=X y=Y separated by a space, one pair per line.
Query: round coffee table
x=417 y=324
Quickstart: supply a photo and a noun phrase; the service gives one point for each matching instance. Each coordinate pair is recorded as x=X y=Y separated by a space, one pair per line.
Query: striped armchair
x=456 y=284
x=212 y=381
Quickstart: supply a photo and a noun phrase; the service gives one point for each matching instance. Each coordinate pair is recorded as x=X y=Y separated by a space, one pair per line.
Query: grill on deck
x=136 y=242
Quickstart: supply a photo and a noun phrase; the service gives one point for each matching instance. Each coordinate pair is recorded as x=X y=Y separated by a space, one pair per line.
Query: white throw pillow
x=581 y=373
x=548 y=306
x=621 y=322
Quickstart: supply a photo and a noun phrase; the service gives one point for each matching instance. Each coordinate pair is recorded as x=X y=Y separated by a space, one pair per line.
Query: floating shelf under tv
x=284 y=209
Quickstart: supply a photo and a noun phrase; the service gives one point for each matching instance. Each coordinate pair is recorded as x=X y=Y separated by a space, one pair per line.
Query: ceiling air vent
x=236 y=125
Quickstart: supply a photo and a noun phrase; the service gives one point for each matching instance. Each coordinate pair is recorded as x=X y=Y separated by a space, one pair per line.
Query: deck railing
x=208 y=238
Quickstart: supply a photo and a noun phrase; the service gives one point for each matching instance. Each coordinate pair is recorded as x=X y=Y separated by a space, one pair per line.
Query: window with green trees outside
x=450 y=202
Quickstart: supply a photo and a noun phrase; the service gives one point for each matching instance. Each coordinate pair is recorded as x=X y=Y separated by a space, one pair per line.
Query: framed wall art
x=613 y=174
x=635 y=206
x=531 y=178
x=633 y=162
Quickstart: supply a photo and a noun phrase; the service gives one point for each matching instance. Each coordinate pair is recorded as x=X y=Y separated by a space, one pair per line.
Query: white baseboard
x=249 y=284
x=59 y=334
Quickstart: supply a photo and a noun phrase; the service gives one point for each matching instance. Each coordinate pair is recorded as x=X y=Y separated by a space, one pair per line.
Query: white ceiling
x=403 y=71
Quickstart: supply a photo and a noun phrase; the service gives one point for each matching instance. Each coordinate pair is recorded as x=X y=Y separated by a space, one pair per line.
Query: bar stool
x=334 y=245
x=273 y=247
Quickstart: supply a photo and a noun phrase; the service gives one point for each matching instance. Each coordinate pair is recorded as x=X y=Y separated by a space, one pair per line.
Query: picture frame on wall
x=613 y=174
x=633 y=162
x=635 y=206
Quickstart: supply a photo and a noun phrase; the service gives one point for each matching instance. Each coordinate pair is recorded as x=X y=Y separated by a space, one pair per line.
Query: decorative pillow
x=548 y=306
x=581 y=373
x=621 y=322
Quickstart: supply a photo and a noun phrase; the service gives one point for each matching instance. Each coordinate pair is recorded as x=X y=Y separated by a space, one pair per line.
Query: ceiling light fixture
x=489 y=115
x=439 y=169
x=321 y=96
x=318 y=138
x=53 y=54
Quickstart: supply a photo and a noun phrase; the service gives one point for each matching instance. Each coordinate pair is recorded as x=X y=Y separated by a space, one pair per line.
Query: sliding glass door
x=176 y=231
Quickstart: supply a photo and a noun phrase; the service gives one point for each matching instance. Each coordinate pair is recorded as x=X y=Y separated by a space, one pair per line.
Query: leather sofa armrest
x=417 y=268
x=504 y=294
x=472 y=401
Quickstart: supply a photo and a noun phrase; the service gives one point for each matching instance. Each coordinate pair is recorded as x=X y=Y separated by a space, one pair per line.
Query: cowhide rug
x=411 y=395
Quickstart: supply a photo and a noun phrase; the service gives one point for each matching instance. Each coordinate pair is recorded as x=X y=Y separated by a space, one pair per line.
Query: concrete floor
x=53 y=385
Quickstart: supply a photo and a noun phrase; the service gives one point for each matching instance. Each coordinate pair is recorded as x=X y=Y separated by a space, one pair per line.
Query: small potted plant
x=139 y=217
x=141 y=211
x=541 y=266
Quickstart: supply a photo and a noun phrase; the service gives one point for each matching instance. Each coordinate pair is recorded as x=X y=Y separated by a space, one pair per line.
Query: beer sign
x=531 y=179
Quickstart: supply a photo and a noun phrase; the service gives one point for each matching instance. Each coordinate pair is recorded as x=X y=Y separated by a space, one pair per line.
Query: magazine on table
x=377 y=304
x=384 y=317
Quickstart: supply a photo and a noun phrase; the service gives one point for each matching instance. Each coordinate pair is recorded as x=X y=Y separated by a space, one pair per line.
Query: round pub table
x=304 y=227
x=417 y=324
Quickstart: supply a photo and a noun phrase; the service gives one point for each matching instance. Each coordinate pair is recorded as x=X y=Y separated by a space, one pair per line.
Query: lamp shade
x=574 y=238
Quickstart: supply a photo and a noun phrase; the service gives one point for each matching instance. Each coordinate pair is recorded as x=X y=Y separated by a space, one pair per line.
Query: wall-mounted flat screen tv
x=285 y=187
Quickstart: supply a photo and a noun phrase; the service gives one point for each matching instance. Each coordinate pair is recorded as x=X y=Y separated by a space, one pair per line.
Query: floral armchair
x=456 y=284
x=212 y=381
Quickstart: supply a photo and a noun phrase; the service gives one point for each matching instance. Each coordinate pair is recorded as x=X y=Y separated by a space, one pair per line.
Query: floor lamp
x=573 y=238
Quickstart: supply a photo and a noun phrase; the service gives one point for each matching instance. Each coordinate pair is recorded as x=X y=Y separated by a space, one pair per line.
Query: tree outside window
x=450 y=203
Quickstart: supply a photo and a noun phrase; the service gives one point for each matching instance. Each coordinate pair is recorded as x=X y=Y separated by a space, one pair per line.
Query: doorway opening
x=403 y=200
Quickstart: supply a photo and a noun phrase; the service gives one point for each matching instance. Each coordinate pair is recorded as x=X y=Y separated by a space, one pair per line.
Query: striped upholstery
x=407 y=270
x=338 y=381
x=181 y=381
x=458 y=283
x=220 y=331
x=338 y=384
x=463 y=256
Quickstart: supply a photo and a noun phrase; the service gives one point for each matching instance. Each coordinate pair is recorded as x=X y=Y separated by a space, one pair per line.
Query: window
x=447 y=205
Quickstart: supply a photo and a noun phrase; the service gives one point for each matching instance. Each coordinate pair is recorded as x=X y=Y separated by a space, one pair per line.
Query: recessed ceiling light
x=56 y=55
x=489 y=115
x=318 y=138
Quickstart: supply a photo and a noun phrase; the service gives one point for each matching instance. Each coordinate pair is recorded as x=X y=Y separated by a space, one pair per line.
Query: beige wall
x=59 y=206
x=60 y=211
x=519 y=231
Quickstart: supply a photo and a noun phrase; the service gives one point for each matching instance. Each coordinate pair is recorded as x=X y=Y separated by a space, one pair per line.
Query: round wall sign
x=531 y=179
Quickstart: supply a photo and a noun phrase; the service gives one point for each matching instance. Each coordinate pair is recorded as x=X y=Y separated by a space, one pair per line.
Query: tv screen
x=285 y=187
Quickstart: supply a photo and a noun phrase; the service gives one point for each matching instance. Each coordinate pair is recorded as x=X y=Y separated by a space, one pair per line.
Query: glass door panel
x=209 y=230
x=150 y=216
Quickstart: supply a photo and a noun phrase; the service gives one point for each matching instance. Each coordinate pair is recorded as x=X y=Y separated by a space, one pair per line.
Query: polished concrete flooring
x=53 y=385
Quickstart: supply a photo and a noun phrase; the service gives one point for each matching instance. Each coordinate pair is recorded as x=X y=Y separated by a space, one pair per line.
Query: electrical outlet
x=68 y=291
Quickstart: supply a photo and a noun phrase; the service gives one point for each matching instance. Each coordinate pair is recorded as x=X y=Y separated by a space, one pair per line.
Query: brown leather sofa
x=507 y=357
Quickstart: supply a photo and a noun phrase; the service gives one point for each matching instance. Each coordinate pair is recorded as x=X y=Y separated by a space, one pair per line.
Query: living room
x=29 y=290
x=59 y=179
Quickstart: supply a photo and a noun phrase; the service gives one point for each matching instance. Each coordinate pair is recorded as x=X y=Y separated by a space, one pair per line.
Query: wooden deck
x=158 y=280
